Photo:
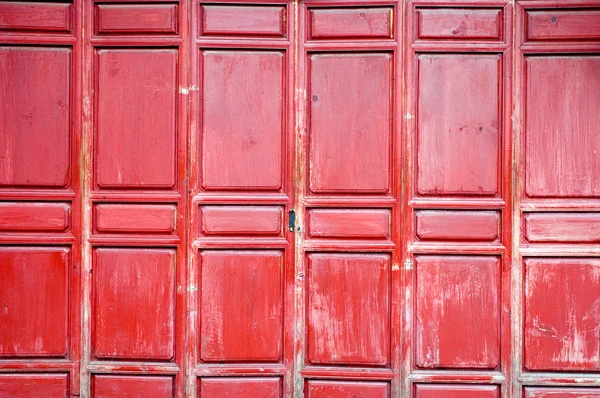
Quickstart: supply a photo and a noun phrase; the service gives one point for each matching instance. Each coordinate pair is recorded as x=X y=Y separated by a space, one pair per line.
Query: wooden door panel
x=242 y=119
x=562 y=321
x=350 y=125
x=241 y=306
x=243 y=20
x=456 y=391
x=34 y=297
x=561 y=131
x=136 y=145
x=346 y=389
x=348 y=309
x=27 y=385
x=457 y=312
x=458 y=124
x=133 y=304
x=113 y=386
x=554 y=392
x=239 y=387
x=350 y=23
x=36 y=142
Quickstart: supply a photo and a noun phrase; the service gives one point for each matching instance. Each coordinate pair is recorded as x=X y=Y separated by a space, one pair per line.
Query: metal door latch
x=292 y=221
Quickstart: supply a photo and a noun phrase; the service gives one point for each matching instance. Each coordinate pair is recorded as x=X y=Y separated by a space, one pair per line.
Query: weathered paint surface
x=441 y=158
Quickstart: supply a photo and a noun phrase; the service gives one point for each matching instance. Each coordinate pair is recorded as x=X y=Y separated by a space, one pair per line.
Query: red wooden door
x=319 y=198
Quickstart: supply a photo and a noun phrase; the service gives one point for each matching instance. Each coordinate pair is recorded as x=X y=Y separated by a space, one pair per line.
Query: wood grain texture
x=133 y=303
x=240 y=387
x=458 y=121
x=345 y=389
x=134 y=218
x=34 y=298
x=241 y=306
x=243 y=120
x=561 y=136
x=571 y=25
x=135 y=146
x=36 y=133
x=457 y=312
x=351 y=23
x=136 y=19
x=577 y=227
x=26 y=385
x=35 y=17
x=241 y=220
x=350 y=103
x=456 y=391
x=439 y=225
x=34 y=217
x=344 y=284
x=460 y=24
x=243 y=20
x=558 y=392
x=109 y=386
x=562 y=316
x=349 y=223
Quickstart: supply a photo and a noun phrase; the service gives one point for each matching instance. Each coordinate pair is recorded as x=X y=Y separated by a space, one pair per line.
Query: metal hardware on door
x=292 y=221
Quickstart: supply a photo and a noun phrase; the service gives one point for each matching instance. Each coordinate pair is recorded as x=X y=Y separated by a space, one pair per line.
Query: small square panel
x=134 y=303
x=562 y=314
x=34 y=301
x=348 y=309
x=116 y=386
x=457 y=314
x=240 y=387
x=241 y=307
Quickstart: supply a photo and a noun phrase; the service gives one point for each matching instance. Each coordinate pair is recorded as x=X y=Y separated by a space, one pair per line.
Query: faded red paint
x=441 y=158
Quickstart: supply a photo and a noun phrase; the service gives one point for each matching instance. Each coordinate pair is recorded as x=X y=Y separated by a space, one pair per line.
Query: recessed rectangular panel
x=562 y=319
x=562 y=227
x=241 y=220
x=458 y=124
x=578 y=24
x=34 y=217
x=241 y=308
x=133 y=314
x=562 y=133
x=457 y=225
x=350 y=134
x=243 y=20
x=113 y=386
x=351 y=23
x=242 y=119
x=558 y=392
x=456 y=391
x=34 y=301
x=32 y=16
x=135 y=143
x=460 y=23
x=349 y=223
x=346 y=389
x=348 y=309
x=136 y=19
x=35 y=96
x=458 y=312
x=240 y=387
x=27 y=385
x=134 y=218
